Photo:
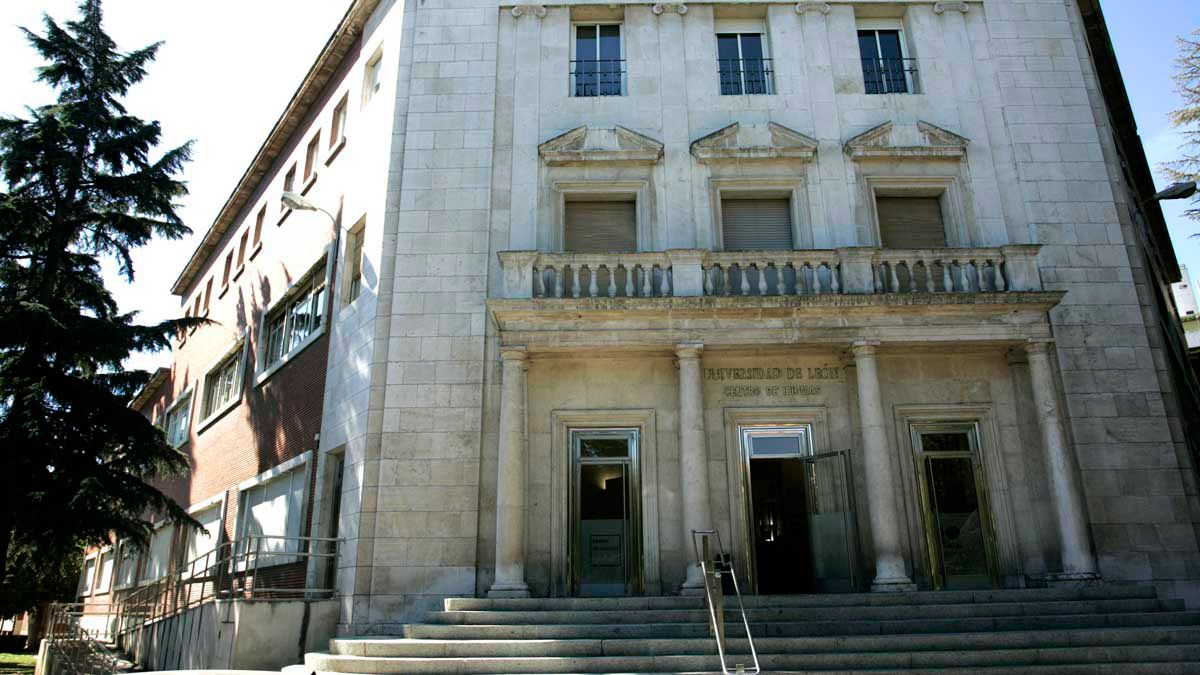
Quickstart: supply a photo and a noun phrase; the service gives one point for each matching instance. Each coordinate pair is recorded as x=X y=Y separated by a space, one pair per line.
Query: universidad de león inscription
x=782 y=381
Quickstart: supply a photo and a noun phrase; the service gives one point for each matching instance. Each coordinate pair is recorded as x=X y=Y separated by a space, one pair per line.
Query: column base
x=893 y=585
x=508 y=591
x=1073 y=580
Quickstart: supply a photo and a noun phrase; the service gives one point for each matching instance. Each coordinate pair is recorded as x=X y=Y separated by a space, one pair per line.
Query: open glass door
x=831 y=522
x=605 y=536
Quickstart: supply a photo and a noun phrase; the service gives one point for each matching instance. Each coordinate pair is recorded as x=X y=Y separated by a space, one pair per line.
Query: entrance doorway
x=958 y=529
x=801 y=516
x=605 y=539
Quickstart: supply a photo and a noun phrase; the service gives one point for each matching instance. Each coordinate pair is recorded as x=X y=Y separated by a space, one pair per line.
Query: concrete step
x=401 y=647
x=855 y=613
x=813 y=628
x=1100 y=592
x=1141 y=654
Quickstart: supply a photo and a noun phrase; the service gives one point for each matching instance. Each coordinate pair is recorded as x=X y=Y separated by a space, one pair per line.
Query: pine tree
x=1187 y=118
x=78 y=183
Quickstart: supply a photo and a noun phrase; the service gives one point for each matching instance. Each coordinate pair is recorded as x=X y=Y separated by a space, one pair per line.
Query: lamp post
x=1176 y=191
x=299 y=202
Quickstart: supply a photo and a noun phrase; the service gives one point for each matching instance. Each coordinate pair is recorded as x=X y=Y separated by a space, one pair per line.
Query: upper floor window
x=603 y=226
x=289 y=326
x=228 y=269
x=910 y=222
x=223 y=384
x=310 y=157
x=105 y=573
x=87 y=576
x=597 y=61
x=743 y=64
x=258 y=225
x=289 y=184
x=756 y=224
x=354 y=262
x=176 y=420
x=337 y=130
x=886 y=68
x=372 y=77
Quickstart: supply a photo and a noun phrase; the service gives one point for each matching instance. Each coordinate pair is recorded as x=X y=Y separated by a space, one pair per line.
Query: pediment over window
x=907 y=140
x=584 y=145
x=739 y=142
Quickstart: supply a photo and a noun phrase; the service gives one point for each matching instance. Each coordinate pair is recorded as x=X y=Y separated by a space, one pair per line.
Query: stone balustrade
x=695 y=272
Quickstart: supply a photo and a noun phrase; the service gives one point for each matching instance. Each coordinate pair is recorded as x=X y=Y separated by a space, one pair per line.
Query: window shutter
x=756 y=224
x=910 y=222
x=600 y=227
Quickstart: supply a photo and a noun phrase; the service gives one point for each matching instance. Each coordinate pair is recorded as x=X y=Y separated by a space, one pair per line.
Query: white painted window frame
x=876 y=25
x=265 y=371
x=239 y=349
x=184 y=396
x=745 y=27
x=624 y=58
x=219 y=501
x=303 y=466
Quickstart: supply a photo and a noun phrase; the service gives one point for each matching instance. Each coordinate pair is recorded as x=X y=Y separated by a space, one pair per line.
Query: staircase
x=1102 y=629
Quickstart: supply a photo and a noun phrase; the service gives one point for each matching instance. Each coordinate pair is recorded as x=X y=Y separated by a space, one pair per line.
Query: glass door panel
x=605 y=528
x=830 y=523
x=956 y=520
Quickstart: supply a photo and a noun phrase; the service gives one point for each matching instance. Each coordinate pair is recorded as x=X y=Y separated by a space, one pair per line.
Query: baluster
x=612 y=279
x=947 y=282
x=877 y=277
x=979 y=274
x=593 y=280
x=912 y=274
x=708 y=280
x=668 y=282
x=539 y=289
x=998 y=277
x=835 y=285
x=761 y=268
x=895 y=279
x=727 y=279
x=963 y=286
x=647 y=278
x=745 y=278
x=576 y=277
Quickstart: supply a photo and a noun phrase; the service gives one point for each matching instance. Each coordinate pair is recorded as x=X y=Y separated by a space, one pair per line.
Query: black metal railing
x=745 y=76
x=890 y=76
x=598 y=77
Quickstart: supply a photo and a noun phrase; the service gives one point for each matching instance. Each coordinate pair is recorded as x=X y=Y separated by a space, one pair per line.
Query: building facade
x=860 y=285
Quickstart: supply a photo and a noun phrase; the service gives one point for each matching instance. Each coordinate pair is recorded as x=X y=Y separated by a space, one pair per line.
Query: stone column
x=881 y=497
x=1062 y=473
x=693 y=460
x=510 y=480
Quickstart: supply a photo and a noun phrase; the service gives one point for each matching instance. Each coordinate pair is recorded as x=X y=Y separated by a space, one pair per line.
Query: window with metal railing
x=597 y=61
x=742 y=64
x=886 y=68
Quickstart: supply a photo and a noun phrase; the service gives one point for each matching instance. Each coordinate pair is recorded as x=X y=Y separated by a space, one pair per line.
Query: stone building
x=864 y=286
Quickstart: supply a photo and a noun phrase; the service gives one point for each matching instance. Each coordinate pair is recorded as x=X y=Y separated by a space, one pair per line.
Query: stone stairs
x=1100 y=629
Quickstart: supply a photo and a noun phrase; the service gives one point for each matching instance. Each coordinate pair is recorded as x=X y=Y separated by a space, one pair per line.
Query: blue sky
x=223 y=83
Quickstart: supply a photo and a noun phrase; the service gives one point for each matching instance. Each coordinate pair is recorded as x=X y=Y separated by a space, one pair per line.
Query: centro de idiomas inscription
x=772 y=382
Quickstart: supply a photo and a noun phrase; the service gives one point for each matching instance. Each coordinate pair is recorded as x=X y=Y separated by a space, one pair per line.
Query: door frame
x=932 y=547
x=633 y=537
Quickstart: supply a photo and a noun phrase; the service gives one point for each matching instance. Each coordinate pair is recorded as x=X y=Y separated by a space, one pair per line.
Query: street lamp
x=299 y=202
x=1176 y=191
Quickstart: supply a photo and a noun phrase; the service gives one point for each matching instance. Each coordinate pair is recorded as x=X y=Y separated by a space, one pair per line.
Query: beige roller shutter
x=600 y=227
x=910 y=222
x=756 y=224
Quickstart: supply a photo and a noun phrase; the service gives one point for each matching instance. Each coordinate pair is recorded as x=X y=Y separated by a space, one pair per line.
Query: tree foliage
x=82 y=180
x=1187 y=118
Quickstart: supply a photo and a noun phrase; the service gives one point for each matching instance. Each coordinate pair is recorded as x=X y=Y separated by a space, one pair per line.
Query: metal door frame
x=933 y=550
x=633 y=537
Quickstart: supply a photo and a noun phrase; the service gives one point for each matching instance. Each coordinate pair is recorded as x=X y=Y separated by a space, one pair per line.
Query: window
x=289 y=184
x=127 y=563
x=372 y=77
x=242 y=249
x=269 y=516
x=104 y=580
x=177 y=419
x=207 y=294
x=354 y=262
x=743 y=64
x=885 y=68
x=910 y=222
x=600 y=226
x=258 y=224
x=204 y=540
x=299 y=317
x=597 y=65
x=310 y=157
x=337 y=130
x=159 y=556
x=223 y=384
x=196 y=305
x=228 y=268
x=756 y=224
x=87 y=576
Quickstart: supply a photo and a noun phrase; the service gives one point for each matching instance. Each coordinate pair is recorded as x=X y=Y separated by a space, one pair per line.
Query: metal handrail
x=890 y=75
x=598 y=77
x=74 y=649
x=714 y=596
x=745 y=76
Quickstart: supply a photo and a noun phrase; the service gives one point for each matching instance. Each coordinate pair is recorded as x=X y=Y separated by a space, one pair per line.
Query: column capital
x=1038 y=345
x=515 y=353
x=661 y=8
x=943 y=7
x=863 y=347
x=536 y=11
x=689 y=350
x=810 y=6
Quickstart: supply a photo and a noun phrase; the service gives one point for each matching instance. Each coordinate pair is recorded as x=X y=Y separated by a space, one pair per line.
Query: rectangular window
x=372 y=77
x=127 y=565
x=196 y=305
x=87 y=576
x=241 y=260
x=910 y=222
x=159 y=556
x=756 y=224
x=600 y=227
x=354 y=262
x=885 y=68
x=337 y=130
x=207 y=294
x=104 y=578
x=269 y=517
x=310 y=156
x=289 y=184
x=177 y=420
x=743 y=65
x=223 y=384
x=203 y=541
x=288 y=327
x=228 y=269
x=598 y=66
x=258 y=224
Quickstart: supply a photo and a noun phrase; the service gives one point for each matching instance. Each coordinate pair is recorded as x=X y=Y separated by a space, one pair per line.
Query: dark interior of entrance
x=782 y=554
